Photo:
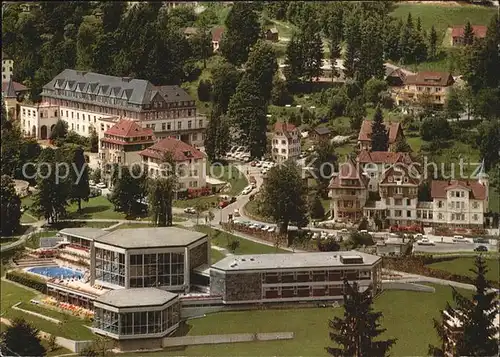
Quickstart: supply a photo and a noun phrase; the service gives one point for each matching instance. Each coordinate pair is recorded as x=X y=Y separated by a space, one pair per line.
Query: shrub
x=28 y=280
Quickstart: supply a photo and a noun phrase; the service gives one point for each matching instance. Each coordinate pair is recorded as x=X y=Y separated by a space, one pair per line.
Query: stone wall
x=198 y=256
x=230 y=338
x=243 y=286
x=140 y=344
x=394 y=285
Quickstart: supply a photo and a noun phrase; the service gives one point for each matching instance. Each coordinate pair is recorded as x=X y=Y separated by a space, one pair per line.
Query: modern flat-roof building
x=267 y=278
x=148 y=257
x=137 y=318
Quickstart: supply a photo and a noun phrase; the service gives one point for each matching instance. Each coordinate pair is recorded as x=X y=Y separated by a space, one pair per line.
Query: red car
x=253 y=163
x=223 y=204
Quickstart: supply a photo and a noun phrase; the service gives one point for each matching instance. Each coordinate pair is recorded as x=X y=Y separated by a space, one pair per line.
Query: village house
x=320 y=133
x=425 y=88
x=189 y=161
x=12 y=92
x=457 y=34
x=285 y=142
x=87 y=99
x=348 y=193
x=271 y=34
x=395 y=132
x=123 y=142
x=217 y=33
x=7 y=68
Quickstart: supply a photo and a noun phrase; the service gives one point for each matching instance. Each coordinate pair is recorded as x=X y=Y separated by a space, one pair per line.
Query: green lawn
x=72 y=328
x=407 y=317
x=217 y=255
x=25 y=218
x=444 y=16
x=415 y=143
x=461 y=266
x=251 y=211
x=227 y=173
x=221 y=239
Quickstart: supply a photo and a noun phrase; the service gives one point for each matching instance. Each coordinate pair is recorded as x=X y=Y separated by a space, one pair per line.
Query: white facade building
x=285 y=142
x=7 y=68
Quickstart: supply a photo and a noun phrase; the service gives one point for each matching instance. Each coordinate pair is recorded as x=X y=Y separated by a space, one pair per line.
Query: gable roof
x=280 y=126
x=180 y=150
x=383 y=157
x=400 y=171
x=217 y=33
x=322 y=130
x=440 y=187
x=11 y=88
x=430 y=79
x=349 y=171
x=134 y=91
x=365 y=133
x=478 y=30
x=190 y=31
x=128 y=129
x=272 y=30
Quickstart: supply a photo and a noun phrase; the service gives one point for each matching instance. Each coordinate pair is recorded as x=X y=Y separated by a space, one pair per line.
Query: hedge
x=28 y=280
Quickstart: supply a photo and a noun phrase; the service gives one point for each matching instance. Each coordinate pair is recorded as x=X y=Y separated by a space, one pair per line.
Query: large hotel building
x=86 y=100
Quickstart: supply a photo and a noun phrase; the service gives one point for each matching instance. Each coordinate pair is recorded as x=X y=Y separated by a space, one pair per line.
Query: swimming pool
x=56 y=272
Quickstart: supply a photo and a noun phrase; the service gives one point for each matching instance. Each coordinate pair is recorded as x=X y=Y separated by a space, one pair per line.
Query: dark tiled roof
x=134 y=91
x=11 y=88
x=322 y=130
x=349 y=171
x=217 y=33
x=430 y=79
x=128 y=129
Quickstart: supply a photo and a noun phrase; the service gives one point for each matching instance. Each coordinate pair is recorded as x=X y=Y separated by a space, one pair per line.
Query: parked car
x=223 y=204
x=247 y=190
x=91 y=183
x=419 y=236
x=190 y=210
x=425 y=241
x=271 y=229
x=481 y=240
x=253 y=163
x=458 y=239
x=344 y=230
x=237 y=213
x=481 y=248
x=101 y=185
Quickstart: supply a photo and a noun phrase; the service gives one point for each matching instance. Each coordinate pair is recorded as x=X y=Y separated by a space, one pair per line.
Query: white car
x=271 y=229
x=237 y=213
x=344 y=230
x=258 y=164
x=247 y=190
x=190 y=210
x=91 y=183
x=101 y=185
x=419 y=236
x=459 y=239
x=265 y=228
x=425 y=241
x=316 y=235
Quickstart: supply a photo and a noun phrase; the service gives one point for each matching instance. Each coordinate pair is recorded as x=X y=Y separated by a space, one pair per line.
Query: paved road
x=449 y=248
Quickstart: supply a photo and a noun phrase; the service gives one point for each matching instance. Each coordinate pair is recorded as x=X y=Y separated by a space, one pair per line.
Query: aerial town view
x=250 y=178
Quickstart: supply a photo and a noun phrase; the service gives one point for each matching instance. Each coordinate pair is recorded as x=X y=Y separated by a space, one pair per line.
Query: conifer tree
x=476 y=316
x=468 y=34
x=380 y=137
x=432 y=42
x=217 y=138
x=354 y=334
x=402 y=145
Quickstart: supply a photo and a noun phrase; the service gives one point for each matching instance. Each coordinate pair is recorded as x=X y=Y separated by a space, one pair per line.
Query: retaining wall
x=48 y=318
x=73 y=346
x=230 y=338
x=394 y=285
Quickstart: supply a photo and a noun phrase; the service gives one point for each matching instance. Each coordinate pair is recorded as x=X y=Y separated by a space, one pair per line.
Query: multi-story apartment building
x=398 y=189
x=374 y=164
x=274 y=278
x=86 y=98
x=285 y=142
x=425 y=88
x=123 y=142
x=7 y=68
x=457 y=34
x=348 y=192
x=460 y=203
x=395 y=131
x=38 y=120
x=190 y=162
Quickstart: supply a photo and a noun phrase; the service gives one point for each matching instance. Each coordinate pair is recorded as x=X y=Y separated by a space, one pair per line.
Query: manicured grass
x=216 y=255
x=227 y=173
x=72 y=328
x=461 y=266
x=415 y=143
x=407 y=316
x=444 y=16
x=251 y=210
x=25 y=218
x=221 y=239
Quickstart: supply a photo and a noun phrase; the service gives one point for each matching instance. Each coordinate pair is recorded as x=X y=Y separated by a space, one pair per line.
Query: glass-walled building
x=165 y=258
x=132 y=315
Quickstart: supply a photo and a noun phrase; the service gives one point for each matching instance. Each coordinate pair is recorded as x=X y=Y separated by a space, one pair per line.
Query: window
x=398 y=213
x=475 y=217
x=61 y=113
x=179 y=125
x=440 y=216
x=399 y=190
x=163 y=126
x=78 y=116
x=398 y=202
x=189 y=124
x=440 y=204
x=408 y=214
x=55 y=113
x=110 y=266
x=168 y=126
x=408 y=202
x=475 y=205
x=201 y=123
x=424 y=214
x=71 y=115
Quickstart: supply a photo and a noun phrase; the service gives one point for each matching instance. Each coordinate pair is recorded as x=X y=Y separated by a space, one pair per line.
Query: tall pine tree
x=468 y=34
x=355 y=334
x=380 y=137
x=433 y=42
x=261 y=67
x=217 y=138
x=294 y=61
x=476 y=318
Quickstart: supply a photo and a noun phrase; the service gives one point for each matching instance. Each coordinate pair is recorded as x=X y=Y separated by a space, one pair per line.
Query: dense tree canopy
x=11 y=207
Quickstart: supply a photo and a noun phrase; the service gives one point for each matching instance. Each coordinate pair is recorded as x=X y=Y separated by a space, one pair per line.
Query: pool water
x=56 y=272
